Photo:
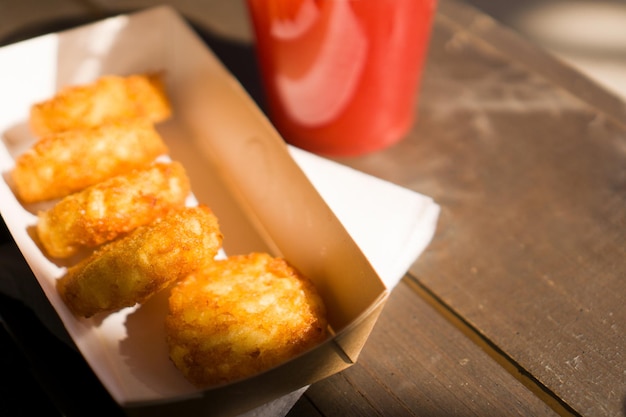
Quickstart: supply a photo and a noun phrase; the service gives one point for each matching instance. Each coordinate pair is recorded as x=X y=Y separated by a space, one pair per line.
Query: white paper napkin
x=392 y=225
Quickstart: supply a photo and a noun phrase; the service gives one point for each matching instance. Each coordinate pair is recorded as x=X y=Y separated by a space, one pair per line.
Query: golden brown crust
x=132 y=269
x=108 y=209
x=60 y=164
x=108 y=99
x=227 y=319
x=241 y=316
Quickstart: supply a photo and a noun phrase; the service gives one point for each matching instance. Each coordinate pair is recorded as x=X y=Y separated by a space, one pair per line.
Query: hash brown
x=66 y=162
x=109 y=98
x=111 y=208
x=131 y=269
x=240 y=316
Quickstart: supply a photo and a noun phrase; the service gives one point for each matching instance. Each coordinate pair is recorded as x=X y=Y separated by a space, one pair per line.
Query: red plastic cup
x=341 y=76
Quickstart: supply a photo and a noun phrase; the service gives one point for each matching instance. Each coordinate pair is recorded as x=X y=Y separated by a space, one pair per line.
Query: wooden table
x=517 y=306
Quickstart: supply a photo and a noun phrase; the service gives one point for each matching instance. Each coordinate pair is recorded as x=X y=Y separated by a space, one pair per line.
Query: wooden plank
x=417 y=363
x=531 y=245
x=304 y=408
x=510 y=44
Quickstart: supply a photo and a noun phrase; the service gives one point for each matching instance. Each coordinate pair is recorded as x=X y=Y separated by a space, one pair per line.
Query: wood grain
x=417 y=363
x=531 y=177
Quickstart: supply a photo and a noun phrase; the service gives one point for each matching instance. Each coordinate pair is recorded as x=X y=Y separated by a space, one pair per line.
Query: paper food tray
x=238 y=165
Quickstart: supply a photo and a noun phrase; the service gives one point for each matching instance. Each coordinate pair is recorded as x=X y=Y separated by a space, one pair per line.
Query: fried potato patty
x=131 y=269
x=109 y=98
x=108 y=209
x=240 y=316
x=63 y=163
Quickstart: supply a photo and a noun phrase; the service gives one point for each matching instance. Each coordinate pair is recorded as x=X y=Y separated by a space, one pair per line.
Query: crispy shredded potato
x=96 y=159
x=131 y=269
x=108 y=99
x=63 y=163
x=108 y=209
x=240 y=316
